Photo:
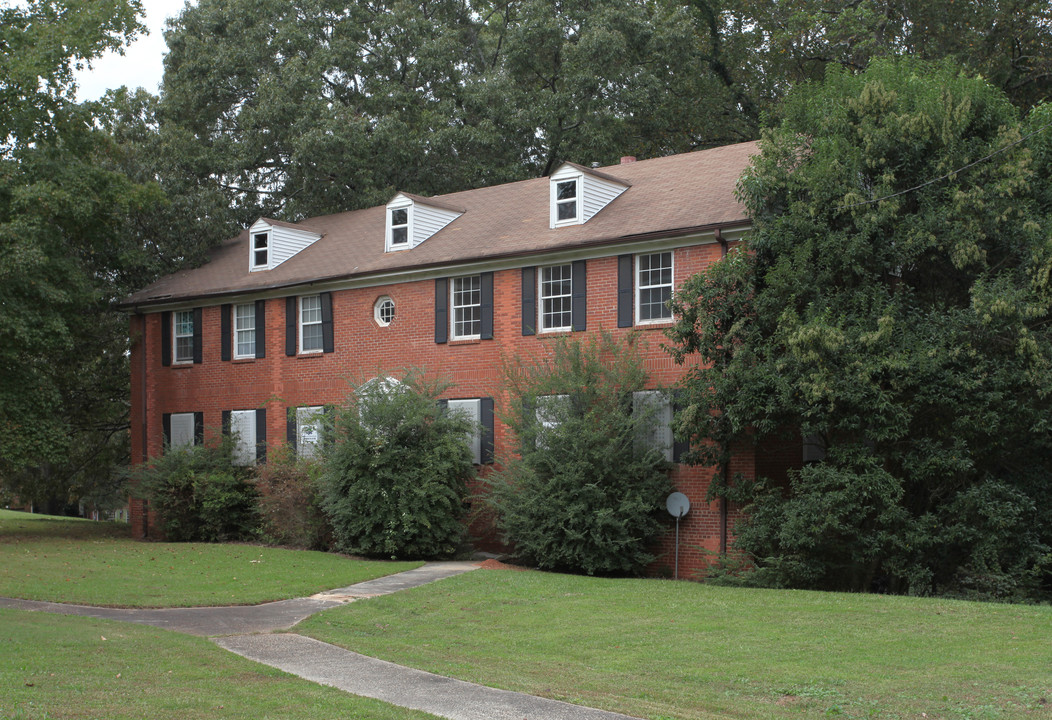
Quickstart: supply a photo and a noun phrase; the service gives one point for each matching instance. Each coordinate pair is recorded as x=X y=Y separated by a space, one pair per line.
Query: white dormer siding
x=271 y=244
x=576 y=194
x=411 y=221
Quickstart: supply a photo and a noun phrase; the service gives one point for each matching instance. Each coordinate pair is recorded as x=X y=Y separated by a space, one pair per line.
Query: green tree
x=84 y=219
x=315 y=106
x=395 y=467
x=584 y=490
x=41 y=43
x=1010 y=44
x=892 y=304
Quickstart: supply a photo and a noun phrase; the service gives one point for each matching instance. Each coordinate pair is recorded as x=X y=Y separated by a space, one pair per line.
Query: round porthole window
x=384 y=311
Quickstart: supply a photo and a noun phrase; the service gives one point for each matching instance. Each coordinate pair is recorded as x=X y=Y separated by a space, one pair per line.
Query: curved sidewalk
x=253 y=633
x=242 y=619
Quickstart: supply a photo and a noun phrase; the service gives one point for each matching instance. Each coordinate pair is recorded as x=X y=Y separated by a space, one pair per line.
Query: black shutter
x=529 y=301
x=226 y=423
x=166 y=431
x=579 y=301
x=290 y=326
x=166 y=338
x=624 y=291
x=443 y=406
x=261 y=328
x=327 y=344
x=486 y=420
x=199 y=428
x=679 y=446
x=486 y=308
x=290 y=429
x=226 y=332
x=441 y=310
x=198 y=323
x=261 y=435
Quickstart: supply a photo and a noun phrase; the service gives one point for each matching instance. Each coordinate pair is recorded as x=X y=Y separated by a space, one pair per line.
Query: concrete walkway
x=254 y=632
x=243 y=619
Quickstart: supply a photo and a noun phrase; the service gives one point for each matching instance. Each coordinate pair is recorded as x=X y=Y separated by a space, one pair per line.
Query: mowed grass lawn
x=53 y=666
x=660 y=649
x=648 y=648
x=92 y=563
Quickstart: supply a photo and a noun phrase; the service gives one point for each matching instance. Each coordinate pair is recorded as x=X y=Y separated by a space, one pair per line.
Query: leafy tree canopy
x=1010 y=44
x=893 y=305
x=88 y=213
x=314 y=106
x=41 y=43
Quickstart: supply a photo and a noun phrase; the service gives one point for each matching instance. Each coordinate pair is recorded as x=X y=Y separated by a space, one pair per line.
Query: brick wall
x=363 y=349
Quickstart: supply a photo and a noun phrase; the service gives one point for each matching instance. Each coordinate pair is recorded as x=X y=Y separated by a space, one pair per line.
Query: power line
x=951 y=173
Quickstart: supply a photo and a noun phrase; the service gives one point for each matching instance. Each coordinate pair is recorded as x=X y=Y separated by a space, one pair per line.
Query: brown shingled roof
x=667 y=196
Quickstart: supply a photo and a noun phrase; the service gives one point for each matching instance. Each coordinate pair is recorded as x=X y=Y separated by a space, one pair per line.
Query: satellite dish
x=678 y=505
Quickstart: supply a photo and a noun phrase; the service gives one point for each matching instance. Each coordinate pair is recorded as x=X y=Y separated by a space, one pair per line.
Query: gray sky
x=142 y=62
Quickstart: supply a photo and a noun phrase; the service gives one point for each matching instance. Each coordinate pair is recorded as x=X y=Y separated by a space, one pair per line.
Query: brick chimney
x=625 y=159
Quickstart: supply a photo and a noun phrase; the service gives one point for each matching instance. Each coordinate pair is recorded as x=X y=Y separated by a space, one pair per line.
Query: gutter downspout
x=723 y=470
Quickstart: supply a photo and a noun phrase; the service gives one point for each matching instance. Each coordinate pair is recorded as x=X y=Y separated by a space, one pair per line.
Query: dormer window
x=578 y=193
x=412 y=219
x=566 y=199
x=260 y=250
x=399 y=227
x=272 y=242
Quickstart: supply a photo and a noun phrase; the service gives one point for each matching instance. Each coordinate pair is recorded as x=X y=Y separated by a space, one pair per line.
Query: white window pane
x=245 y=330
x=308 y=430
x=183 y=331
x=260 y=244
x=243 y=428
x=556 y=293
x=467 y=307
x=310 y=323
x=182 y=430
x=654 y=286
x=657 y=433
x=471 y=408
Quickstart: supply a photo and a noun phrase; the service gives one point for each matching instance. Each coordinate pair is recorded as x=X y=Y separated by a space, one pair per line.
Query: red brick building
x=283 y=314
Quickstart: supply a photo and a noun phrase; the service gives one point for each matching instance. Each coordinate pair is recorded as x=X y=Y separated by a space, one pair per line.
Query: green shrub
x=199 y=495
x=583 y=492
x=395 y=471
x=290 y=503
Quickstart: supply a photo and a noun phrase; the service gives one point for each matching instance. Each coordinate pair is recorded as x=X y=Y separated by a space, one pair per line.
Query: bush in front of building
x=290 y=502
x=199 y=495
x=395 y=467
x=585 y=490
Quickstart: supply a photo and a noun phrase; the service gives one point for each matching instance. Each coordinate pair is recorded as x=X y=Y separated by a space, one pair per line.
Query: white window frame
x=401 y=206
x=640 y=287
x=301 y=324
x=658 y=434
x=472 y=408
x=378 y=310
x=457 y=310
x=241 y=327
x=577 y=201
x=255 y=248
x=563 y=297
x=308 y=430
x=176 y=336
x=243 y=429
x=181 y=431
